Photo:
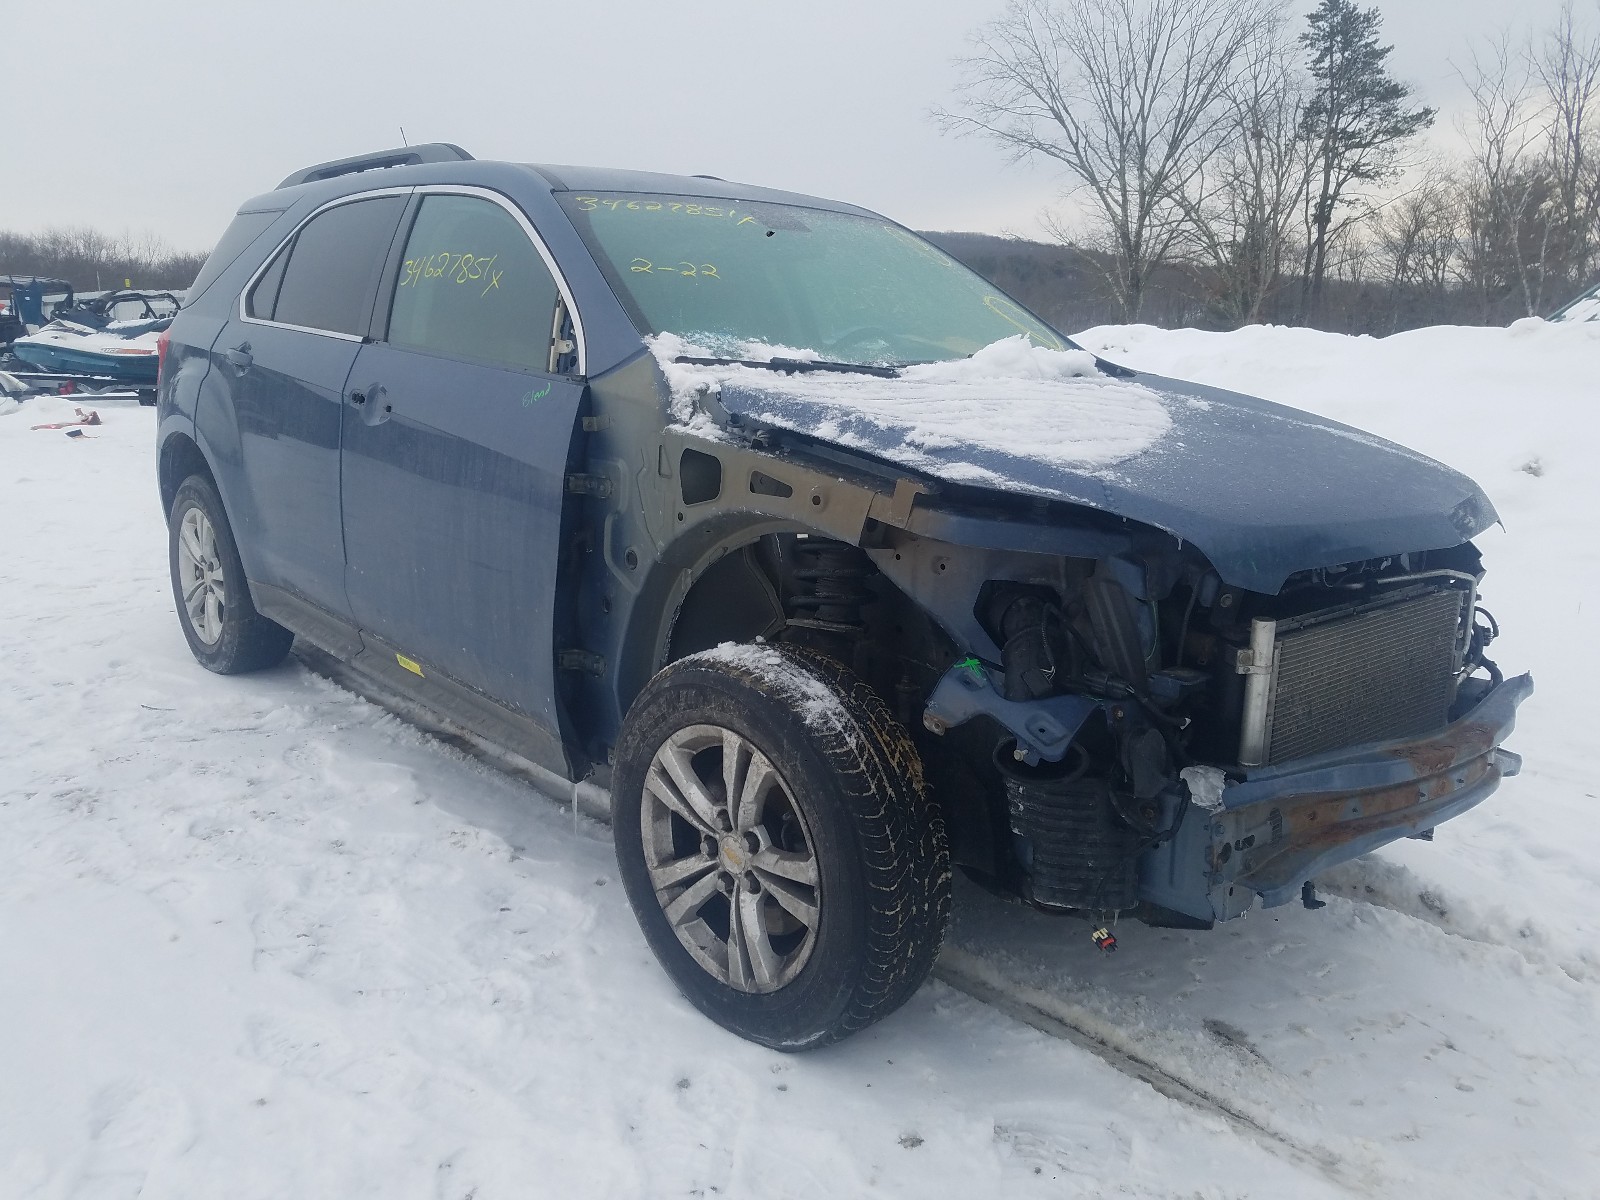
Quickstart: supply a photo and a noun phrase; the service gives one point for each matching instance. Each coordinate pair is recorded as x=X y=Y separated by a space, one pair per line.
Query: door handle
x=240 y=357
x=373 y=404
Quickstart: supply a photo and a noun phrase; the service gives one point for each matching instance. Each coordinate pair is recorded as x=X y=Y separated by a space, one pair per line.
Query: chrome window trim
x=255 y=278
x=521 y=218
x=433 y=189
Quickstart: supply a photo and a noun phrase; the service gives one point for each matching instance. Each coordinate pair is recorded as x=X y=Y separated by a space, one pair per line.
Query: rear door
x=283 y=361
x=456 y=436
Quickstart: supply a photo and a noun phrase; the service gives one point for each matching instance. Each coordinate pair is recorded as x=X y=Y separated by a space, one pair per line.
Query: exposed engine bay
x=1109 y=702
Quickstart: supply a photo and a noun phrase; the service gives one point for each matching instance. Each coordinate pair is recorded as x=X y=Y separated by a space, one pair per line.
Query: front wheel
x=777 y=844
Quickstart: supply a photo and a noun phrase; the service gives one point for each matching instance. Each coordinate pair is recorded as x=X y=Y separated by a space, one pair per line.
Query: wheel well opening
x=828 y=595
x=180 y=458
x=819 y=592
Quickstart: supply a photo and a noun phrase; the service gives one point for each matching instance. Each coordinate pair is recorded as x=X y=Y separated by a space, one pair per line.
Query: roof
x=614 y=179
x=429 y=163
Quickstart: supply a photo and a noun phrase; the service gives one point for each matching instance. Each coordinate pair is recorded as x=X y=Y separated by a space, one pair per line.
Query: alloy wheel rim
x=730 y=858
x=200 y=579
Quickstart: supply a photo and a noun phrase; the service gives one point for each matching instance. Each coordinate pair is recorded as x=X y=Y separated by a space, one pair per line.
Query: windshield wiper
x=790 y=366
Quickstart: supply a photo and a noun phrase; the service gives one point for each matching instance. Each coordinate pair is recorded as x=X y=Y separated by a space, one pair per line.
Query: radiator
x=1347 y=676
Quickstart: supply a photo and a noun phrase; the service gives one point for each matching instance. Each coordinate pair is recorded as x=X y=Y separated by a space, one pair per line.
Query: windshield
x=724 y=274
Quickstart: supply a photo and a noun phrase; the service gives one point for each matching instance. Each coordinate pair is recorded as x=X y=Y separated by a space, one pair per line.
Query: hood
x=1261 y=489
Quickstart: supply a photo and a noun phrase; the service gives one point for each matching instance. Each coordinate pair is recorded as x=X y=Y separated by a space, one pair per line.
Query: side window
x=263 y=298
x=331 y=272
x=472 y=286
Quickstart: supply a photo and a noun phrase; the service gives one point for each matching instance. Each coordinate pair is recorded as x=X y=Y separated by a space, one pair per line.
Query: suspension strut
x=829 y=588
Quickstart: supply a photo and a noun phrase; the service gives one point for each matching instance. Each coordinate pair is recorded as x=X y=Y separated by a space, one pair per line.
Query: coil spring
x=830 y=587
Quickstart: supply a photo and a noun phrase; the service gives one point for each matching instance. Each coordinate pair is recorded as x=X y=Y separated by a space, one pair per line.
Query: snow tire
x=856 y=781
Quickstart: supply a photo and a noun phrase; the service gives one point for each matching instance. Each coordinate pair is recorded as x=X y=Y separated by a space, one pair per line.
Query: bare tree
x=1501 y=177
x=92 y=259
x=1243 y=207
x=1532 y=193
x=1128 y=95
x=1417 y=240
x=1568 y=67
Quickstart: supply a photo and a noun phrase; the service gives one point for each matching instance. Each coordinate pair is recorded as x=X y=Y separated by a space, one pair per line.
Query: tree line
x=1227 y=168
x=91 y=260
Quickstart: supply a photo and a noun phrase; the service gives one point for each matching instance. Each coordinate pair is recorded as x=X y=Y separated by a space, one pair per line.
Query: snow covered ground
x=260 y=939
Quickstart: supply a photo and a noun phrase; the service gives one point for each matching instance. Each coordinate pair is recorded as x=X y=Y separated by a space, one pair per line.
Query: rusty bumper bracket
x=1284 y=823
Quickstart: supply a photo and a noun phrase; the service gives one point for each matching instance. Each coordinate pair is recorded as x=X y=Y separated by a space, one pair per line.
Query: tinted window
x=246 y=228
x=334 y=266
x=473 y=286
x=263 y=297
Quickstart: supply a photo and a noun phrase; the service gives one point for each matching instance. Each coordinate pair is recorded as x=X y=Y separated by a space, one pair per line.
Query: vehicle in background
x=1585 y=306
x=27 y=302
x=111 y=338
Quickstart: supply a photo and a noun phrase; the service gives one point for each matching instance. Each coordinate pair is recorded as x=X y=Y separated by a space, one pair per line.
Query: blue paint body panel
x=1263 y=490
x=282 y=416
x=452 y=517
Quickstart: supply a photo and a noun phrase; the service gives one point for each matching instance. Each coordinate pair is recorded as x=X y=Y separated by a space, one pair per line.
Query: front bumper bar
x=1282 y=824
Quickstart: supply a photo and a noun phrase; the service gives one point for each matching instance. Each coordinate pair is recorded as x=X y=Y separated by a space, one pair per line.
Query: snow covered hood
x=1263 y=490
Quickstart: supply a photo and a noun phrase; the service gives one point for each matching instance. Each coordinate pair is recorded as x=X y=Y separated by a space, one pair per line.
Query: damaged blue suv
x=828 y=563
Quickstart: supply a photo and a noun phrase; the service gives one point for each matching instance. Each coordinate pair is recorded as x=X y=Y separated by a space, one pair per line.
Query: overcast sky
x=163 y=115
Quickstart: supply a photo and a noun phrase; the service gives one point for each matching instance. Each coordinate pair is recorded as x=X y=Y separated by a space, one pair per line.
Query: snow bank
x=261 y=939
x=1011 y=398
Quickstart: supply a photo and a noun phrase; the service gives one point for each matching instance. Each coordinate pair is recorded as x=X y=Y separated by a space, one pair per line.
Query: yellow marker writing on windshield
x=1009 y=312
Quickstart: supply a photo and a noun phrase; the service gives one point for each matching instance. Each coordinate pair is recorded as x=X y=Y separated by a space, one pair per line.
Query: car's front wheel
x=222 y=626
x=777 y=844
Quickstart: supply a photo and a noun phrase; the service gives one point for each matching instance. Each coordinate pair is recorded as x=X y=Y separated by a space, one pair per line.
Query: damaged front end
x=1266 y=831
x=1245 y=654
x=1165 y=745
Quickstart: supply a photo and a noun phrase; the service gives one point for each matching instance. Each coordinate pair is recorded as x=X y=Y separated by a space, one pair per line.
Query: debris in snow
x=1011 y=397
x=1534 y=466
x=910 y=1141
x=92 y=417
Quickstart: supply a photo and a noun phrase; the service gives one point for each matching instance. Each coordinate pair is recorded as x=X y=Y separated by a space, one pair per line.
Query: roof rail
x=400 y=156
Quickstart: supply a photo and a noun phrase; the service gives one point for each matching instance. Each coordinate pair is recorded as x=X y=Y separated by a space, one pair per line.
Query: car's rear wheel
x=220 y=623
x=777 y=843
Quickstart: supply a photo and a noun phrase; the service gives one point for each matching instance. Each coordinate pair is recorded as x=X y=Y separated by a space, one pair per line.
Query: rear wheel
x=225 y=632
x=777 y=844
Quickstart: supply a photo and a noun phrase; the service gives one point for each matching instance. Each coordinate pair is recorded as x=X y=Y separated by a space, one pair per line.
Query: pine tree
x=1355 y=123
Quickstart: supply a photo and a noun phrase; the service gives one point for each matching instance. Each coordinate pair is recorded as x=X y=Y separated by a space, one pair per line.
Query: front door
x=456 y=437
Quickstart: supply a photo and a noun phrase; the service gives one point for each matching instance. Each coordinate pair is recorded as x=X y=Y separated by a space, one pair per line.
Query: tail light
x=162 y=343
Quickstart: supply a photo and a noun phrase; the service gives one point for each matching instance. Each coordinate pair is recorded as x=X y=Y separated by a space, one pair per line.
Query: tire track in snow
x=1057 y=1018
